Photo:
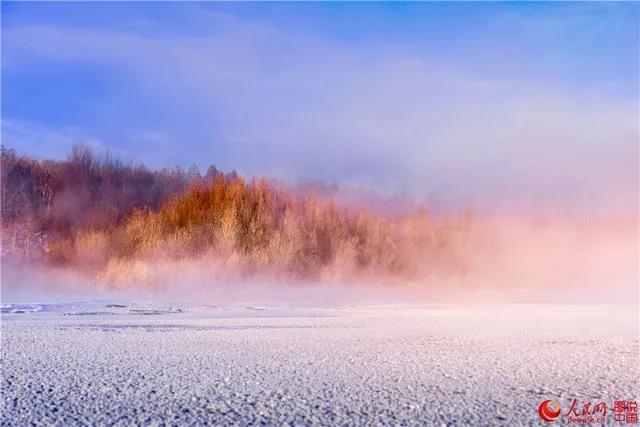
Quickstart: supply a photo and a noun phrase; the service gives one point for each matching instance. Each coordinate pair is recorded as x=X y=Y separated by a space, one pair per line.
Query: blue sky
x=521 y=104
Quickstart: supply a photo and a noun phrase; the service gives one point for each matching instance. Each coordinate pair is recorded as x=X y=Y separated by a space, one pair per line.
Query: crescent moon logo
x=549 y=410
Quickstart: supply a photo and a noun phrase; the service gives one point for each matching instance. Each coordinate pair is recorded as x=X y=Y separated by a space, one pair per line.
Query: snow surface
x=107 y=363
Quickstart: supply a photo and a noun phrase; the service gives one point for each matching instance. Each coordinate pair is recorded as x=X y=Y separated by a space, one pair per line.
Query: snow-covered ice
x=126 y=363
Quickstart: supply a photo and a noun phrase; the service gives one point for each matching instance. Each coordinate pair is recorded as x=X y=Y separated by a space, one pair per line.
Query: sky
x=492 y=106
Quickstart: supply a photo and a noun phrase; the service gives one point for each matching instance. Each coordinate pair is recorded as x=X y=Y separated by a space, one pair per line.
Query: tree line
x=101 y=217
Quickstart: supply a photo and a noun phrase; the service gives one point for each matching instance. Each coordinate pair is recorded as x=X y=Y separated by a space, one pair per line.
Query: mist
x=547 y=127
x=509 y=260
x=447 y=163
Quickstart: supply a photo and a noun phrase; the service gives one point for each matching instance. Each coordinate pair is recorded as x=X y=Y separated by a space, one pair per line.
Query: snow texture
x=106 y=363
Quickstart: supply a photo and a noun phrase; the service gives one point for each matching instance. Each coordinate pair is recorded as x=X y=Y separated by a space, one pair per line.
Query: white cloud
x=251 y=97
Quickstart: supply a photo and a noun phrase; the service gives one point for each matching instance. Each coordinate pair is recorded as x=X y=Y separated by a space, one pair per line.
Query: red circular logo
x=549 y=410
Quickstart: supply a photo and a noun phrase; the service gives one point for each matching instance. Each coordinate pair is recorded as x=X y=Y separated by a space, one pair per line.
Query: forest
x=105 y=219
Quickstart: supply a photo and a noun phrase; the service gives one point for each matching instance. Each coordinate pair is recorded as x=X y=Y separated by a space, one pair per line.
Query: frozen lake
x=142 y=363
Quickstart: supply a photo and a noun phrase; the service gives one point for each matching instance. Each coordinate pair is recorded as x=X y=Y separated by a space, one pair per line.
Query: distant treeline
x=105 y=218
